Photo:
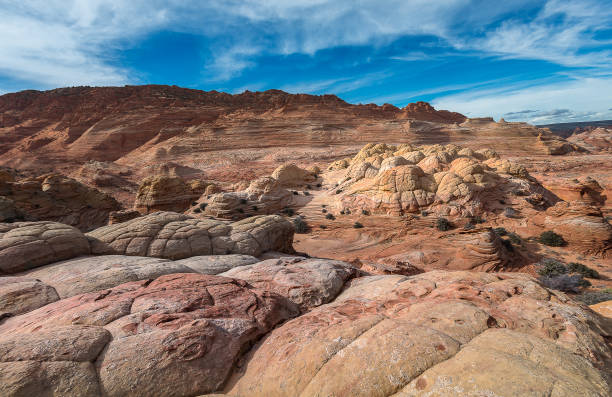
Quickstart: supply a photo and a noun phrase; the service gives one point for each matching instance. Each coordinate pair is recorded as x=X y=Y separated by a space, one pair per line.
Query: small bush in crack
x=579 y=268
x=365 y=212
x=197 y=210
x=306 y=193
x=324 y=210
x=443 y=224
x=552 y=239
x=323 y=226
x=469 y=226
x=424 y=213
x=507 y=244
x=194 y=203
x=203 y=206
x=357 y=225
x=319 y=185
x=300 y=225
x=255 y=208
x=330 y=216
x=338 y=191
x=295 y=193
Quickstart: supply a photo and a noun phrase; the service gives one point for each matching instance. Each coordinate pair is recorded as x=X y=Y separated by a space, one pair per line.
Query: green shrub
x=319 y=185
x=469 y=226
x=443 y=224
x=324 y=210
x=306 y=193
x=288 y=211
x=551 y=268
x=330 y=216
x=365 y=212
x=255 y=208
x=295 y=193
x=194 y=203
x=586 y=271
x=323 y=226
x=551 y=239
x=507 y=244
x=476 y=219
x=342 y=212
x=203 y=206
x=424 y=213
x=357 y=225
x=243 y=201
x=338 y=191
x=515 y=238
x=500 y=231
x=300 y=225
x=197 y=210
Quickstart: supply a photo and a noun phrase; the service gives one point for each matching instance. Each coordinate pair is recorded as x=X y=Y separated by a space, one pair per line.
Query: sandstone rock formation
x=25 y=245
x=22 y=294
x=166 y=193
x=596 y=140
x=446 y=179
x=264 y=196
x=177 y=236
x=308 y=283
x=60 y=199
x=290 y=175
x=177 y=335
x=394 y=334
x=582 y=226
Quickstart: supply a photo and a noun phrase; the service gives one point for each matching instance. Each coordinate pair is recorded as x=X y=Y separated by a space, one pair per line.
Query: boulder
x=308 y=283
x=95 y=273
x=289 y=175
x=215 y=264
x=176 y=236
x=166 y=193
x=22 y=294
x=395 y=334
x=26 y=245
x=177 y=335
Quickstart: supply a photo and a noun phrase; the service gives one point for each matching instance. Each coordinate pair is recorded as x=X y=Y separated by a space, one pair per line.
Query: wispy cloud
x=583 y=99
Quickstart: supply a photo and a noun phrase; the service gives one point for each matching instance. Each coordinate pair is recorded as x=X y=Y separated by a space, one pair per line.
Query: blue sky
x=537 y=61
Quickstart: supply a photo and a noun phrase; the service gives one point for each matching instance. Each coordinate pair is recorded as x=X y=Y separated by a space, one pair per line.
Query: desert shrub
x=194 y=203
x=306 y=193
x=594 y=297
x=551 y=268
x=243 y=201
x=564 y=282
x=295 y=193
x=241 y=210
x=330 y=216
x=308 y=187
x=319 y=185
x=323 y=205
x=424 y=213
x=579 y=268
x=288 y=211
x=197 y=210
x=476 y=219
x=507 y=244
x=515 y=238
x=365 y=212
x=443 y=224
x=338 y=191
x=357 y=225
x=255 y=208
x=509 y=212
x=469 y=226
x=300 y=225
x=323 y=226
x=551 y=239
x=203 y=206
x=342 y=212
x=500 y=231
x=324 y=210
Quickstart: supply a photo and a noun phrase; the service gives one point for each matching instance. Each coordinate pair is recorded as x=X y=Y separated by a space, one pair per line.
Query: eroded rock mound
x=582 y=226
x=166 y=193
x=175 y=336
x=447 y=179
x=308 y=283
x=59 y=199
x=26 y=245
x=177 y=236
x=394 y=334
x=22 y=294
x=290 y=175
x=264 y=196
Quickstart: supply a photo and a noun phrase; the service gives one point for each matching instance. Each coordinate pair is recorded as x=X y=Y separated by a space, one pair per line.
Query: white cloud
x=581 y=99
